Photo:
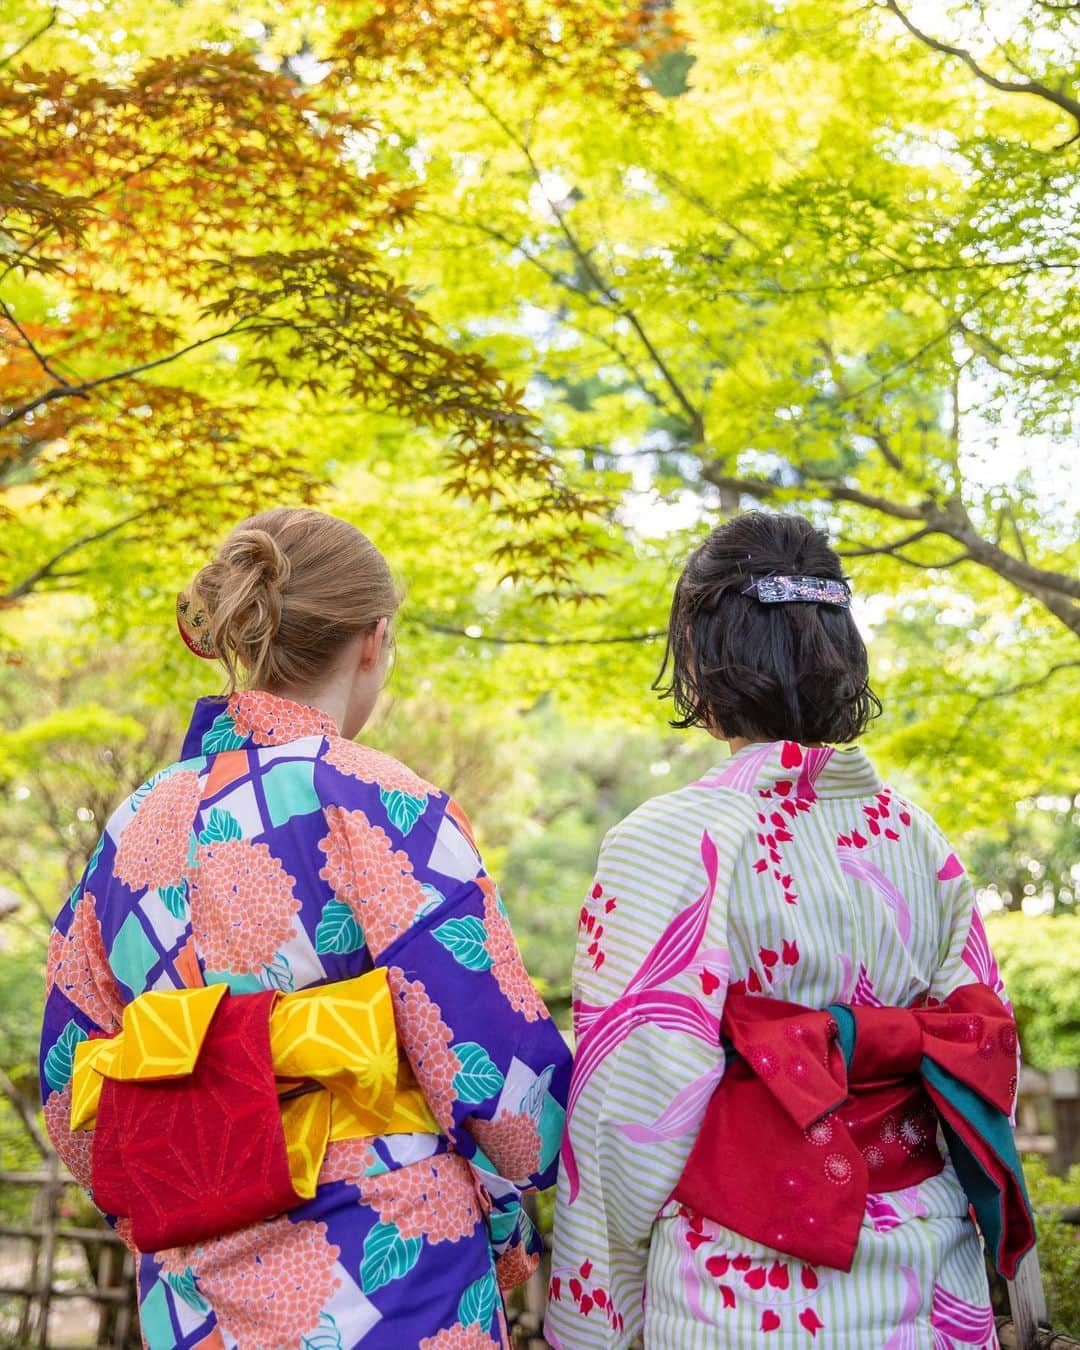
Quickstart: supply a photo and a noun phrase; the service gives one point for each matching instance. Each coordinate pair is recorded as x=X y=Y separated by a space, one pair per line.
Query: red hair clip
x=194 y=624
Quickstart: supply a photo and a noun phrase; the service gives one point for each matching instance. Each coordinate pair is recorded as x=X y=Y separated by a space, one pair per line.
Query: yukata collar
x=806 y=771
x=251 y=718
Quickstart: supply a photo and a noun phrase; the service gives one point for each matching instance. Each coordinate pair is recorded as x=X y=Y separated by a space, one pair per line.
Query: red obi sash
x=192 y=1157
x=817 y=1108
x=212 y=1110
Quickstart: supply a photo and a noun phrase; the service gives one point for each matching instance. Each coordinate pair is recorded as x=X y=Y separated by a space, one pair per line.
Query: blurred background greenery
x=536 y=291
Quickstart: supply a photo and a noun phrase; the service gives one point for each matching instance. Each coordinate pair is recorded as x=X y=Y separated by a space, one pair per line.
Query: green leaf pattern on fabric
x=464 y=939
x=387 y=1256
x=174 y=898
x=337 y=931
x=404 y=811
x=478 y=1078
x=277 y=974
x=325 y=1337
x=220 y=826
x=60 y=1061
x=478 y=1302
x=183 y=1286
x=221 y=736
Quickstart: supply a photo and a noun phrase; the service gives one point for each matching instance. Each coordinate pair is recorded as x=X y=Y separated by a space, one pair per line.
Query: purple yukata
x=277 y=855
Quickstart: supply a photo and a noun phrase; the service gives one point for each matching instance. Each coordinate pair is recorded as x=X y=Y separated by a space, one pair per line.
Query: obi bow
x=211 y=1110
x=817 y=1108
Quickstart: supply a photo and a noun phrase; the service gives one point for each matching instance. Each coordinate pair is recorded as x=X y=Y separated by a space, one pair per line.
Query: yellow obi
x=334 y=1051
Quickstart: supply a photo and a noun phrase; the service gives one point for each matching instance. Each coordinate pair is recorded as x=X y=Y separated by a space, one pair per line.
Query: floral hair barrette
x=773 y=590
x=194 y=624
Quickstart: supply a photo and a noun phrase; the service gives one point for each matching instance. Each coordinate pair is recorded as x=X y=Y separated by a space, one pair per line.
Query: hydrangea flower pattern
x=511 y=1141
x=507 y=965
x=426 y=1039
x=78 y=966
x=243 y=905
x=75 y=1147
x=372 y=766
x=267 y=1283
x=515 y=1265
x=270 y=720
x=434 y=1199
x=457 y=1337
x=347 y=1160
x=153 y=848
x=374 y=880
x=274 y=853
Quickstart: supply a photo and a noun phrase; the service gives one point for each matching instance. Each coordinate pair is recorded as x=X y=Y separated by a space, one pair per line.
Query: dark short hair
x=791 y=671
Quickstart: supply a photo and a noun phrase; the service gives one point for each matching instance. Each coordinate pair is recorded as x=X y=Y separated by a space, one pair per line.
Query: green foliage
x=1059 y=1242
x=672 y=261
x=1039 y=958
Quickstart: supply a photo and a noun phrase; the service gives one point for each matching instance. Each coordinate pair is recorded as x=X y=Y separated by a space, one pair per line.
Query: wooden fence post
x=1027 y=1302
x=1065 y=1101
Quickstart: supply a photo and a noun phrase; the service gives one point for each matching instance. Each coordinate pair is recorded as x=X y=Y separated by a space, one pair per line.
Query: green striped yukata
x=789 y=871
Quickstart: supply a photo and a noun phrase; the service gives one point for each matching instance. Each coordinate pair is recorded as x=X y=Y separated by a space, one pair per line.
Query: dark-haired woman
x=782 y=989
x=289 y=1042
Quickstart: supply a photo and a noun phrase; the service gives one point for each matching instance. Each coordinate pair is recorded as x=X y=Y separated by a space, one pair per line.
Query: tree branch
x=48 y=568
x=1007 y=691
x=1036 y=88
x=1056 y=590
x=28 y=891
x=39 y=357
x=763 y=489
x=83 y=390
x=566 y=283
x=584 y=258
x=54 y=14
x=25 y=1114
x=866 y=550
x=503 y=640
x=876 y=433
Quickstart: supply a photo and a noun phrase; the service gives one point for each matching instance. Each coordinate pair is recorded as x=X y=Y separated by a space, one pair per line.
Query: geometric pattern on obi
x=212 y=1110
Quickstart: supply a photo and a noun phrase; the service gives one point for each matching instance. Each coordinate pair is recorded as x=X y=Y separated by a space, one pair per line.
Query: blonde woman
x=289 y=1042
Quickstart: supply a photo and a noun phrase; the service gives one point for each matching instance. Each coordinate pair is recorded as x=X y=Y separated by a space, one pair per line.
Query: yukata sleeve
x=82 y=1000
x=494 y=1068
x=965 y=953
x=965 y=956
x=650 y=980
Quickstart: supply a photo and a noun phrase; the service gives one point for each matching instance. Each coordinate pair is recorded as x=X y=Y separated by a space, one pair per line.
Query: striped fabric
x=794 y=872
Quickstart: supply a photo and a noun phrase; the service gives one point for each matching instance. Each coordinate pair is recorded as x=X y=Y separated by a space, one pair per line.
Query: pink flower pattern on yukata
x=433 y=1199
x=375 y=881
x=243 y=905
x=778 y=806
x=270 y=720
x=78 y=965
x=771 y=1285
x=506 y=964
x=514 y=1266
x=879 y=821
x=427 y=1040
x=372 y=766
x=457 y=1337
x=347 y=1160
x=771 y=962
x=511 y=1141
x=267 y=1283
x=153 y=848
x=75 y=1147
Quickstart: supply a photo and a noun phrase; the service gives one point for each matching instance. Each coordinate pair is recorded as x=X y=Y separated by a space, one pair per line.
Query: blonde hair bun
x=288 y=589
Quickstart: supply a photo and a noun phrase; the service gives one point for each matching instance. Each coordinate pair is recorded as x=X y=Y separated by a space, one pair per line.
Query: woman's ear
x=371 y=645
